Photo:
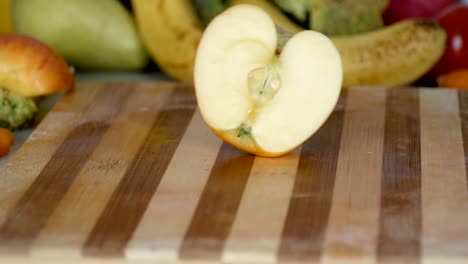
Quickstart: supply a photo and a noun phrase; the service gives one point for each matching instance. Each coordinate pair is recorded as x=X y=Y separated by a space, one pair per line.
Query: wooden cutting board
x=129 y=172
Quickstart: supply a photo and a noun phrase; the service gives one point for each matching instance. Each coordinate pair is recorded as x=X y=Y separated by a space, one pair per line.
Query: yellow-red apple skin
x=31 y=68
x=246 y=145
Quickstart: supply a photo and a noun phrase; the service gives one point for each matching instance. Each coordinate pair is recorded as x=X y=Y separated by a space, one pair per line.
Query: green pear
x=89 y=34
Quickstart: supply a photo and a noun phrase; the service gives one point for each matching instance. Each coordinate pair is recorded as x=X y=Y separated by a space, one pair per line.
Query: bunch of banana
x=393 y=55
x=170 y=30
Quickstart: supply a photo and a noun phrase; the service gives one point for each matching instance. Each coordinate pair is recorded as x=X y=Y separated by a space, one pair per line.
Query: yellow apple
x=30 y=68
x=260 y=90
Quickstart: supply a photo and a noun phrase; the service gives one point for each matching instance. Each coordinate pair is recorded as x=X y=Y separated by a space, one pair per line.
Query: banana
x=394 y=55
x=170 y=30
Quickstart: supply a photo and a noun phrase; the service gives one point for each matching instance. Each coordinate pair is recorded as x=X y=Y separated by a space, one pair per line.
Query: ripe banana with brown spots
x=394 y=55
x=170 y=30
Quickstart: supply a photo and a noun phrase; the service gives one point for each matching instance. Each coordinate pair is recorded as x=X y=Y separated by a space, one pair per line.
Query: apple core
x=260 y=89
x=263 y=84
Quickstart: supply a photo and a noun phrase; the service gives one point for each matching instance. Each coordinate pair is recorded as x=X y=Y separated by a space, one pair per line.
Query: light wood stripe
x=304 y=229
x=75 y=216
x=412 y=210
x=463 y=106
x=217 y=208
x=256 y=232
x=163 y=226
x=444 y=183
x=400 y=213
x=354 y=217
x=26 y=164
x=37 y=203
x=119 y=219
x=78 y=99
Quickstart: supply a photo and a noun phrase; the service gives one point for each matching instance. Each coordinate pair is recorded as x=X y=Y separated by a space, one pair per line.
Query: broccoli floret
x=16 y=112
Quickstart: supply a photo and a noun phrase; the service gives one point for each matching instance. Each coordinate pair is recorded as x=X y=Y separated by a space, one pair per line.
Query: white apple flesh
x=259 y=92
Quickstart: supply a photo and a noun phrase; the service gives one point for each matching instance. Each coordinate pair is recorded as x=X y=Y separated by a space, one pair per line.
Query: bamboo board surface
x=129 y=173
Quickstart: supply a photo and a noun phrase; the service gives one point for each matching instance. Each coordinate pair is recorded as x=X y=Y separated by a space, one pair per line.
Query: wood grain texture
x=443 y=178
x=463 y=107
x=76 y=100
x=309 y=208
x=128 y=203
x=31 y=212
x=383 y=181
x=24 y=167
x=353 y=223
x=217 y=208
x=73 y=219
x=400 y=207
x=256 y=232
x=177 y=196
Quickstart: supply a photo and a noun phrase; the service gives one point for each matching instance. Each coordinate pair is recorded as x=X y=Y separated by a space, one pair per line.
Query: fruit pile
x=259 y=57
x=29 y=70
x=381 y=42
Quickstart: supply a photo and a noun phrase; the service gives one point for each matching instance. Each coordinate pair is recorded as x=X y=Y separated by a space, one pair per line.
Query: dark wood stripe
x=129 y=201
x=463 y=104
x=309 y=208
x=217 y=208
x=400 y=213
x=33 y=209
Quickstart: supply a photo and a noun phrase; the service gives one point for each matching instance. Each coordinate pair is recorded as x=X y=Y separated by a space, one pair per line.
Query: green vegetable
x=345 y=17
x=208 y=9
x=16 y=112
x=299 y=9
x=331 y=17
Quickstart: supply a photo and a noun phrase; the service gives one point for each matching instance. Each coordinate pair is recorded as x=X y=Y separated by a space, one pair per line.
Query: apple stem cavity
x=264 y=82
x=243 y=131
x=283 y=37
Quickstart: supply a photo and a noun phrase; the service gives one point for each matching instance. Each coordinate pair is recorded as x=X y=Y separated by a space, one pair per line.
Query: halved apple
x=262 y=91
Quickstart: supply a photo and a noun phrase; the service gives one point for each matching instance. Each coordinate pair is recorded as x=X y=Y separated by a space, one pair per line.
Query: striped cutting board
x=129 y=173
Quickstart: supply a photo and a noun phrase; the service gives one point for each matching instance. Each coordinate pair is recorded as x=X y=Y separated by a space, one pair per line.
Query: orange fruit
x=6 y=140
x=454 y=79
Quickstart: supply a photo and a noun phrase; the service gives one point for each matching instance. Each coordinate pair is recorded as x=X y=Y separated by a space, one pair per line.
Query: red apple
x=402 y=9
x=454 y=20
x=30 y=68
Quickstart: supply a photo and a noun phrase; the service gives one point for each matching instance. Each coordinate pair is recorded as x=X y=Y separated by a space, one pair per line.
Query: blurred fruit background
x=391 y=43
x=162 y=35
